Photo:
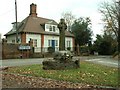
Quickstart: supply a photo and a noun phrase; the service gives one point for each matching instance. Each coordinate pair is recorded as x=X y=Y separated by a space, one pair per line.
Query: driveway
x=104 y=60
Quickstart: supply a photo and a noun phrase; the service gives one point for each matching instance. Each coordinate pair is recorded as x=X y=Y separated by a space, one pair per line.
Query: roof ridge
x=46 y=18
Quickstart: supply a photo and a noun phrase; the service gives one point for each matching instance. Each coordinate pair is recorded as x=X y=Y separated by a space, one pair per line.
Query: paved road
x=20 y=62
x=104 y=60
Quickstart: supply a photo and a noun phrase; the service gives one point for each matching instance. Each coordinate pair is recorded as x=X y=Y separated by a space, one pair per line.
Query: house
x=42 y=31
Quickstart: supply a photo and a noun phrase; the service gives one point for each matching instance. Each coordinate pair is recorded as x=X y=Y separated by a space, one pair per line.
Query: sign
x=21 y=47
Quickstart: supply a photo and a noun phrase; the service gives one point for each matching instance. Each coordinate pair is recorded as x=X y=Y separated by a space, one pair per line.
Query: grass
x=88 y=73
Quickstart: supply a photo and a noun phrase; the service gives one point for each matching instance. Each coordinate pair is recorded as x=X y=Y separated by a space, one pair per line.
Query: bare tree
x=110 y=13
x=69 y=18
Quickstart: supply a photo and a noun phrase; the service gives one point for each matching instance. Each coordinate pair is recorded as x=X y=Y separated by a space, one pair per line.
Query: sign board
x=22 y=47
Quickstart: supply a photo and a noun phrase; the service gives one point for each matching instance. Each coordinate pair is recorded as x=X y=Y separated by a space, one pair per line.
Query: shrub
x=51 y=49
x=68 y=48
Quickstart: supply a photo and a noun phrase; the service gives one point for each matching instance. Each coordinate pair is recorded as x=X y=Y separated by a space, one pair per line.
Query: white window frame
x=68 y=43
x=56 y=42
x=49 y=43
x=34 y=42
x=50 y=28
x=54 y=28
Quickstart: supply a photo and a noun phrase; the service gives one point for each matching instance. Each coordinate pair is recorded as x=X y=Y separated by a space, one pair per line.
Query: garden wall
x=12 y=51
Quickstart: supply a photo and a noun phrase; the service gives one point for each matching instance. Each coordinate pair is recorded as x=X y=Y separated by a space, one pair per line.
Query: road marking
x=93 y=60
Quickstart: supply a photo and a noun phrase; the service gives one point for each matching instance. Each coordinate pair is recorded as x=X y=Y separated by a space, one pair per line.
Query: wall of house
x=46 y=42
x=12 y=38
x=35 y=37
x=23 y=38
x=69 y=43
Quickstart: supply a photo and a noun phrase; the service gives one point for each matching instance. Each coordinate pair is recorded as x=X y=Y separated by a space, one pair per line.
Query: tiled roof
x=34 y=25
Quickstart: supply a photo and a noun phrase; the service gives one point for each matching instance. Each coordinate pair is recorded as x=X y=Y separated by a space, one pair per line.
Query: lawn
x=88 y=73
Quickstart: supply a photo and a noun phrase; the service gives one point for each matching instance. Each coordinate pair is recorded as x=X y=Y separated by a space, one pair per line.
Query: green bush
x=68 y=48
x=51 y=49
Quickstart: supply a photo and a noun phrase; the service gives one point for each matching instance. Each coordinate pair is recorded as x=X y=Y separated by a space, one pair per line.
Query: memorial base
x=55 y=65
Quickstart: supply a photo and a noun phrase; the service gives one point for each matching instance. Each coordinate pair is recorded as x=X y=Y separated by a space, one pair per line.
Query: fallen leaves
x=88 y=73
x=105 y=73
x=12 y=81
x=92 y=75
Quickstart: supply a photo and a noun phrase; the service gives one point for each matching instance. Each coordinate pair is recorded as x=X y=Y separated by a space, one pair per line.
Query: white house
x=42 y=31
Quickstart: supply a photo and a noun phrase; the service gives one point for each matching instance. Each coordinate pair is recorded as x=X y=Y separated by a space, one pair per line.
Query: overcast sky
x=51 y=9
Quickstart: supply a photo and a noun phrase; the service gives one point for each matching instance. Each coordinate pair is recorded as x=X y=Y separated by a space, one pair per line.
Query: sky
x=51 y=9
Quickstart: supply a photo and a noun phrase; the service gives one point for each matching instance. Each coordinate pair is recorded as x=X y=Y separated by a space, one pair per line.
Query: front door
x=53 y=43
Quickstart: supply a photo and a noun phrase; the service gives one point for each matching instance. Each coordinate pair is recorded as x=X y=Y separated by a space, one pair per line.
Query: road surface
x=104 y=60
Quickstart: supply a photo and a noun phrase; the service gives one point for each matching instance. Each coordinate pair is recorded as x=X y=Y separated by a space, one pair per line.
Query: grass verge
x=88 y=73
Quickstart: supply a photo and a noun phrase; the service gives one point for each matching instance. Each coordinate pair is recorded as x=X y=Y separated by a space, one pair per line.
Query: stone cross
x=62 y=27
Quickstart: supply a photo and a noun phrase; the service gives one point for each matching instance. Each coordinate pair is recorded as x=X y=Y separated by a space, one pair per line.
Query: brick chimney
x=33 y=10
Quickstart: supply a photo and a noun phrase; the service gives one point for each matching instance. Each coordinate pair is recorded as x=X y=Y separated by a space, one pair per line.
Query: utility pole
x=16 y=21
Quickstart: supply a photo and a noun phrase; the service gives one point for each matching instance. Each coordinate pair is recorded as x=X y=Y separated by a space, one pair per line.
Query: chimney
x=33 y=10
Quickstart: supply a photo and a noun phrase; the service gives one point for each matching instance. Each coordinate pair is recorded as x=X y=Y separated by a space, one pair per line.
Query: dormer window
x=53 y=28
x=50 y=28
x=47 y=26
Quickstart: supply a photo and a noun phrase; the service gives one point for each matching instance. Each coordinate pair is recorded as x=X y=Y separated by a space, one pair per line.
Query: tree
x=81 y=29
x=104 y=44
x=97 y=43
x=105 y=48
x=111 y=17
x=69 y=18
x=110 y=13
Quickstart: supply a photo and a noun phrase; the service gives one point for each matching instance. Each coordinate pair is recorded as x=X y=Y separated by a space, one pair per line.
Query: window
x=56 y=42
x=53 y=28
x=34 y=42
x=50 y=28
x=13 y=41
x=47 y=26
x=68 y=43
x=49 y=43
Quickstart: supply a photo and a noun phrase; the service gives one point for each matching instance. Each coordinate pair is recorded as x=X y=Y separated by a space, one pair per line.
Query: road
x=104 y=60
